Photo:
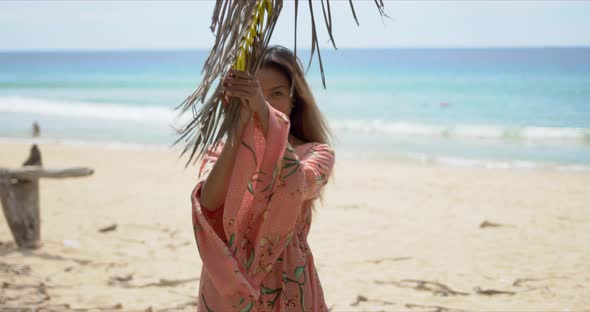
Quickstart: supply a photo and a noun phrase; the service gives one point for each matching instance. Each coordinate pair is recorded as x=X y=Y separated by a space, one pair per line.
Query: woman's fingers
x=241 y=76
x=234 y=89
x=239 y=82
x=239 y=94
x=246 y=98
x=225 y=100
x=243 y=89
x=241 y=73
x=242 y=85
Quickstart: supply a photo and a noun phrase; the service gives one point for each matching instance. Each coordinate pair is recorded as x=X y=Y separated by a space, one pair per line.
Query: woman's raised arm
x=217 y=180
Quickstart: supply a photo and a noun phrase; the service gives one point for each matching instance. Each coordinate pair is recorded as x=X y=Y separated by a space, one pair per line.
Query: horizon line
x=299 y=49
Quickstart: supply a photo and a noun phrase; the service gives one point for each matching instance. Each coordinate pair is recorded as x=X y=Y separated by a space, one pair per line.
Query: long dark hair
x=307 y=122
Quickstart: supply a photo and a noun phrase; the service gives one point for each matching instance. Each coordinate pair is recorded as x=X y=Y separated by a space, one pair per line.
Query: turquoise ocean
x=490 y=107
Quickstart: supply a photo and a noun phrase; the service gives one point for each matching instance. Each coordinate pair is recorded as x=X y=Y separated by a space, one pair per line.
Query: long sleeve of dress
x=240 y=242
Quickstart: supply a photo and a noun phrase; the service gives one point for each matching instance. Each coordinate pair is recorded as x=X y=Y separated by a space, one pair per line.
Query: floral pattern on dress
x=254 y=248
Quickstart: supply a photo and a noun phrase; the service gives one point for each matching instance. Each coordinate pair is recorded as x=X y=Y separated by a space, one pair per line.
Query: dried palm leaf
x=242 y=33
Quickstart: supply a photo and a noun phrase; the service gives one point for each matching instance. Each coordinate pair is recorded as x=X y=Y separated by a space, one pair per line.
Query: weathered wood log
x=20 y=203
x=36 y=172
x=34 y=157
x=19 y=194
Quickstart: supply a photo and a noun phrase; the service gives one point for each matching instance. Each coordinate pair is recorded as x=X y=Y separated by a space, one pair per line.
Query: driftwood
x=36 y=172
x=19 y=194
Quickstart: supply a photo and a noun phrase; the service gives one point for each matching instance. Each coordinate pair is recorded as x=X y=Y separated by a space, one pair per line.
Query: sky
x=169 y=25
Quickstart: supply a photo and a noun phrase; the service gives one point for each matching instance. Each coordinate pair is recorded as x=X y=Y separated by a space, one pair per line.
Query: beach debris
x=491 y=292
x=116 y=279
x=182 y=306
x=62 y=307
x=528 y=285
x=109 y=228
x=82 y=261
x=40 y=286
x=434 y=308
x=520 y=281
x=37 y=296
x=70 y=243
x=487 y=224
x=34 y=158
x=117 y=306
x=162 y=283
x=361 y=298
x=15 y=269
x=125 y=278
x=377 y=261
x=434 y=287
x=19 y=195
x=171 y=282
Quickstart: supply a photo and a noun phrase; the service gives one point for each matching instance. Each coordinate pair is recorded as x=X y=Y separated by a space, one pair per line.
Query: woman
x=253 y=199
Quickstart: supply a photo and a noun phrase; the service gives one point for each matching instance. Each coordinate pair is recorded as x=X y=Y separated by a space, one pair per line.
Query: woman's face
x=276 y=89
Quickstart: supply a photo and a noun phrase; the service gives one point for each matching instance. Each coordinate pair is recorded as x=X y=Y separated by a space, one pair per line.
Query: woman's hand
x=245 y=86
x=245 y=111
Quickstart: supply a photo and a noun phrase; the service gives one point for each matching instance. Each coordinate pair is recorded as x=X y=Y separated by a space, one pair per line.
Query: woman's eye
x=277 y=93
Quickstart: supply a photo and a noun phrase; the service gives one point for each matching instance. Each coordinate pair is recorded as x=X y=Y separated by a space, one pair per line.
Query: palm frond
x=295 y=43
x=315 y=44
x=242 y=30
x=353 y=12
x=328 y=20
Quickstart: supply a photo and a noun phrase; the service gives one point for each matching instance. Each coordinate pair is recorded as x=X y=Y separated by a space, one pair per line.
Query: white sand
x=385 y=227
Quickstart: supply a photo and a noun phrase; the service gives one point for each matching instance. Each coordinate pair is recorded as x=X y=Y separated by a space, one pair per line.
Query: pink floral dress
x=254 y=248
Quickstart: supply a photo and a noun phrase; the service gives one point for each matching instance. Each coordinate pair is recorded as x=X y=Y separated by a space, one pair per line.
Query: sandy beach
x=392 y=236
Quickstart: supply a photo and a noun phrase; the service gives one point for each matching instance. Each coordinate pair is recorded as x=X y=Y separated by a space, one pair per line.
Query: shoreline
x=450 y=162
